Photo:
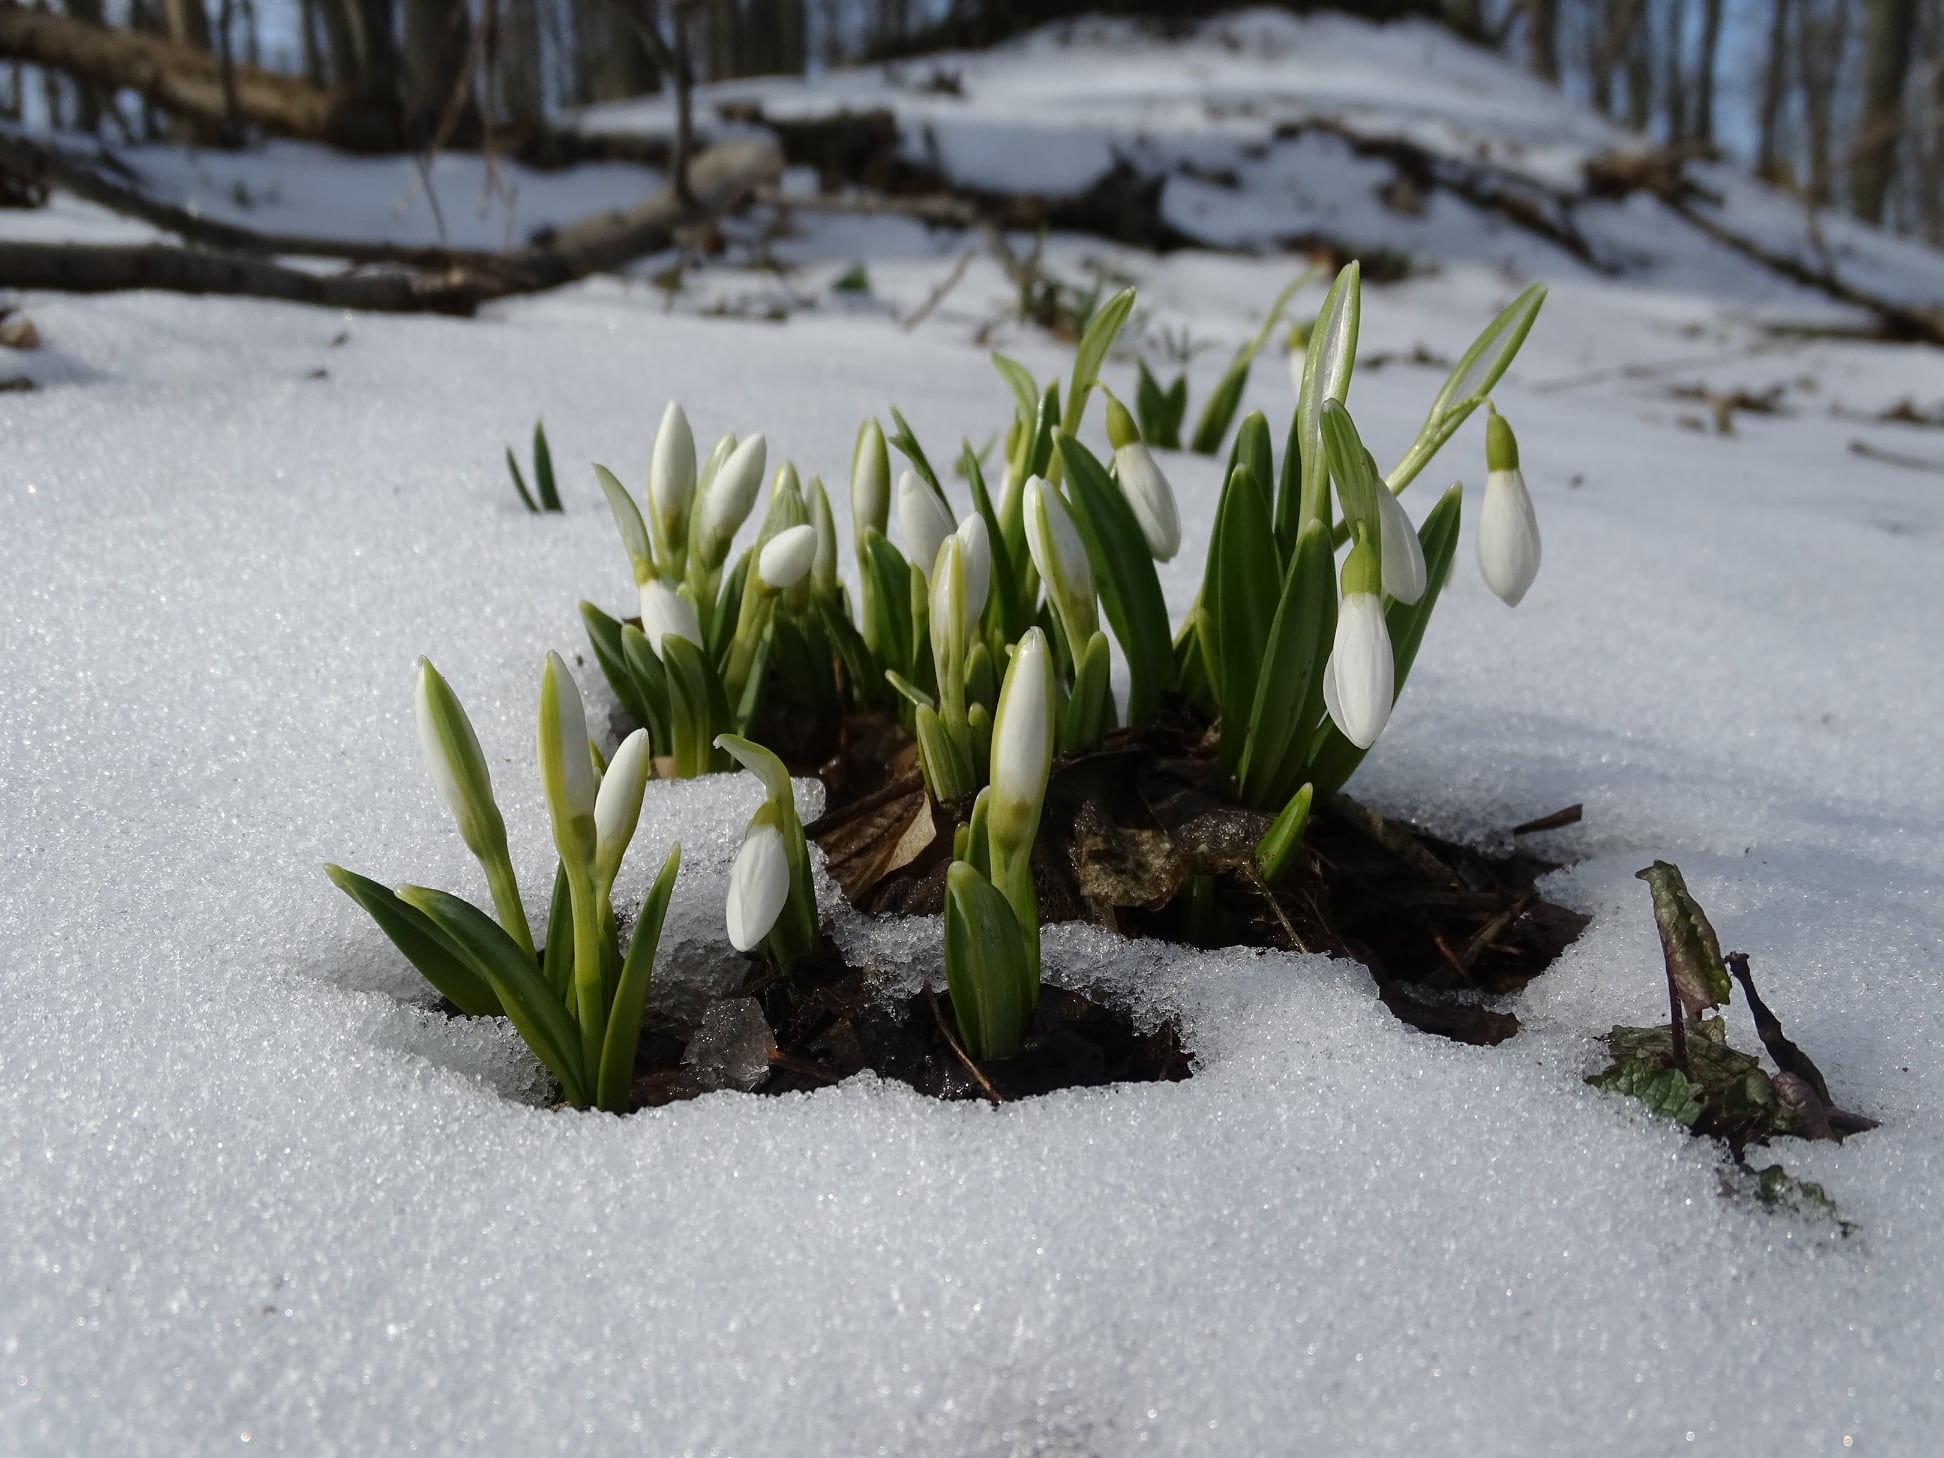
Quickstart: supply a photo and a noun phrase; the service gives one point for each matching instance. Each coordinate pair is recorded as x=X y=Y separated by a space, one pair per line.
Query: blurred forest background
x=1838 y=101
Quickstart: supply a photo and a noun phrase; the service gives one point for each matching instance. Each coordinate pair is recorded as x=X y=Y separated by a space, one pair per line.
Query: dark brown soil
x=825 y=1022
x=1142 y=837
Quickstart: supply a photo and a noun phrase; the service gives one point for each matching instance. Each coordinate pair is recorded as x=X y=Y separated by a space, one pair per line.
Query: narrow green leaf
x=627 y=521
x=535 y=1012
x=863 y=677
x=1289 y=686
x=1124 y=573
x=1289 y=494
x=985 y=966
x=1151 y=410
x=421 y=943
x=604 y=636
x=1252 y=449
x=1326 y=376
x=1490 y=355
x=631 y=993
x=1025 y=389
x=650 y=680
x=1221 y=407
x=1335 y=758
x=891 y=629
x=1276 y=852
x=1695 y=969
x=1004 y=608
x=1086 y=709
x=1102 y=329
x=909 y=691
x=906 y=440
x=543 y=471
x=557 y=957
x=697 y=710
x=1241 y=591
x=519 y=482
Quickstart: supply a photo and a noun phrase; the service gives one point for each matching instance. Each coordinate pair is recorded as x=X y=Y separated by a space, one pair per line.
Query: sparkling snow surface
x=253 y=1193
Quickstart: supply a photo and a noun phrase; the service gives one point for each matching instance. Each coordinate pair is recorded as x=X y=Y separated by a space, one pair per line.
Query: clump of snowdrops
x=578 y=1001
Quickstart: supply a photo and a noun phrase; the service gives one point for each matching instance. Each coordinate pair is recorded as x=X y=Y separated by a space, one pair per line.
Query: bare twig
x=937 y=295
x=938 y=1016
x=1895 y=458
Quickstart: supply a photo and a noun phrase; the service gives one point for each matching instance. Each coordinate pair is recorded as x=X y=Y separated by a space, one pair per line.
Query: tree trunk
x=88 y=99
x=1614 y=48
x=1775 y=86
x=1704 y=81
x=1542 y=39
x=728 y=40
x=189 y=83
x=438 y=50
x=516 y=62
x=1887 y=38
x=1673 y=77
x=1820 y=41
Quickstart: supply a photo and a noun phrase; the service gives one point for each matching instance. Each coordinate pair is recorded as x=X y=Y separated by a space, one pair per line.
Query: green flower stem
x=589 y=975
x=758 y=602
x=506 y=900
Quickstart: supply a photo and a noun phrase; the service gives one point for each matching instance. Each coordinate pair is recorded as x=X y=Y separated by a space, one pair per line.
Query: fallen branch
x=1894 y=458
x=722 y=177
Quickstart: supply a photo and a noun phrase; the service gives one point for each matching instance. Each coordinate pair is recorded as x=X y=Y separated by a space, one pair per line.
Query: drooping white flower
x=671 y=472
x=1508 y=528
x=1401 y=553
x=1151 y=498
x=759 y=884
x=457 y=764
x=566 y=766
x=923 y=522
x=1061 y=557
x=665 y=612
x=870 y=480
x=1022 y=743
x=617 y=804
x=1359 y=679
x=787 y=557
x=730 y=497
x=976 y=543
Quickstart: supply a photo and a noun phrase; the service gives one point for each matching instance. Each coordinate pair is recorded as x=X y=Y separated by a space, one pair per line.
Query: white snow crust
x=256 y=1195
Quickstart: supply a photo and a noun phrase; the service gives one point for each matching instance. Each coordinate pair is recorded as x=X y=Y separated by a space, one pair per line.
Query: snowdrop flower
x=617 y=804
x=458 y=767
x=923 y=522
x=759 y=884
x=1399 y=549
x=671 y=475
x=1508 y=529
x=1146 y=489
x=975 y=542
x=665 y=613
x=727 y=504
x=787 y=557
x=1061 y=557
x=1022 y=746
x=566 y=766
x=1359 y=679
x=870 y=481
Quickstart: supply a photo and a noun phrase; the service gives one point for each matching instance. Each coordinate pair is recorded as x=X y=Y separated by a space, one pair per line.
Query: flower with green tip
x=458 y=766
x=566 y=766
x=975 y=542
x=1022 y=746
x=870 y=482
x=1401 y=552
x=923 y=522
x=1359 y=679
x=671 y=478
x=1508 y=528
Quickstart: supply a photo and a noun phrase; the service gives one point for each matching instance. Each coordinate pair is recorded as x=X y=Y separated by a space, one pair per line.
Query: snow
x=256 y=1193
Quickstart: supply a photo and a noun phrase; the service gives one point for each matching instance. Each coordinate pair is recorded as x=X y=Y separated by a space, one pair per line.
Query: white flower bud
x=759 y=884
x=731 y=496
x=671 y=470
x=1151 y=498
x=1022 y=744
x=665 y=612
x=1508 y=536
x=458 y=766
x=566 y=767
x=1360 y=678
x=1061 y=557
x=870 y=480
x=617 y=804
x=1401 y=553
x=786 y=558
x=923 y=522
x=976 y=543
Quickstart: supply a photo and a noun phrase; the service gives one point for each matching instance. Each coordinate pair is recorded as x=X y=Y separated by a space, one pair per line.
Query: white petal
x=759 y=885
x=976 y=544
x=570 y=741
x=1022 y=730
x=671 y=465
x=617 y=804
x=1508 y=536
x=923 y=522
x=666 y=613
x=786 y=557
x=1361 y=670
x=1401 y=552
x=733 y=492
x=1054 y=540
x=446 y=773
x=1152 y=499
